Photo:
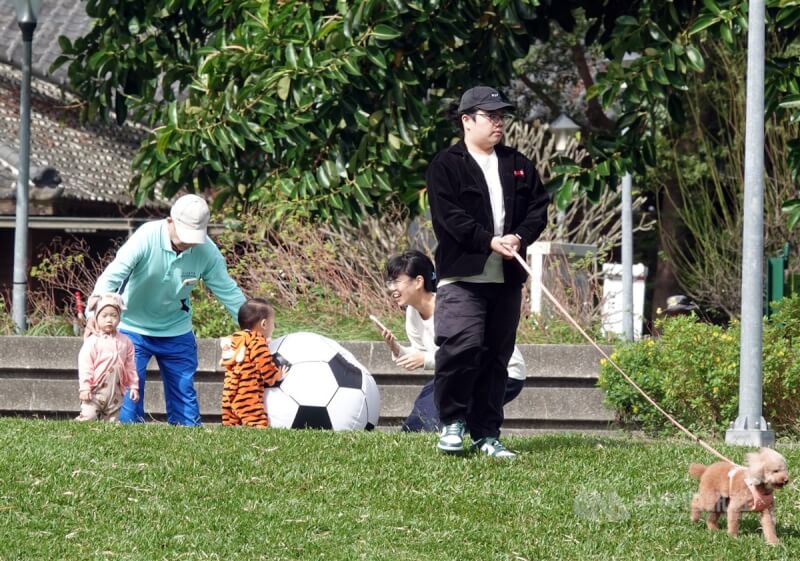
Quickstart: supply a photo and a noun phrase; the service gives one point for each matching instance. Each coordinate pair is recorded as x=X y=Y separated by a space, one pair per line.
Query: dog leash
x=613 y=363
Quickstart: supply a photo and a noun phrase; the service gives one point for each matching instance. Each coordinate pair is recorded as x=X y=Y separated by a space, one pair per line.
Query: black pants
x=476 y=328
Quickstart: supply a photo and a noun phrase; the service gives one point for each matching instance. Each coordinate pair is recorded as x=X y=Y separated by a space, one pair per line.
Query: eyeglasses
x=497 y=118
x=394 y=284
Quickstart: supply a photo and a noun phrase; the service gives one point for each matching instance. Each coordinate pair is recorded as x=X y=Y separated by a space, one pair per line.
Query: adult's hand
x=133 y=393
x=506 y=245
x=411 y=361
x=391 y=341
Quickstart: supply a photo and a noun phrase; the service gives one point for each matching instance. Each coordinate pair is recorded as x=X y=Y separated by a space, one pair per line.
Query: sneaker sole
x=497 y=456
x=477 y=450
x=450 y=449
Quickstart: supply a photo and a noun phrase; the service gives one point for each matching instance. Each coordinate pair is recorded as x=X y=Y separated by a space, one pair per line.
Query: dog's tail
x=697 y=470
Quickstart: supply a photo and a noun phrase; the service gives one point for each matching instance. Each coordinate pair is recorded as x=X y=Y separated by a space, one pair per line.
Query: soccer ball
x=325 y=388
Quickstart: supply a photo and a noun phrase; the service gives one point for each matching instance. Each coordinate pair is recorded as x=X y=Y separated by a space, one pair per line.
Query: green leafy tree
x=327 y=108
x=650 y=93
x=330 y=108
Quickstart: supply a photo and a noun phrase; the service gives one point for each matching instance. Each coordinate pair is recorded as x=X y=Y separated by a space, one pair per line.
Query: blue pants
x=177 y=362
x=425 y=418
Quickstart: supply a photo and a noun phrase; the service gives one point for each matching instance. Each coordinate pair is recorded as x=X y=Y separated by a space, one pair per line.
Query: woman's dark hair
x=412 y=263
x=253 y=311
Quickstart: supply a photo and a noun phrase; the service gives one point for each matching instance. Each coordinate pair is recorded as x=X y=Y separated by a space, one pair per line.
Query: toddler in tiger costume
x=249 y=366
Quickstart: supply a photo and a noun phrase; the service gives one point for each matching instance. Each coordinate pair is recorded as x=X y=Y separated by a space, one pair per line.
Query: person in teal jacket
x=155 y=271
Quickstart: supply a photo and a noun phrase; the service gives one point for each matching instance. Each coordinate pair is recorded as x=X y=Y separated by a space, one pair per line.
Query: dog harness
x=761 y=501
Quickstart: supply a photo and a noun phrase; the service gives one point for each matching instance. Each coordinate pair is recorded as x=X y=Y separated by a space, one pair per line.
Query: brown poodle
x=730 y=489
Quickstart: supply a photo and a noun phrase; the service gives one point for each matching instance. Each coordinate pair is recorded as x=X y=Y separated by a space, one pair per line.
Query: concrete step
x=538 y=403
x=38 y=377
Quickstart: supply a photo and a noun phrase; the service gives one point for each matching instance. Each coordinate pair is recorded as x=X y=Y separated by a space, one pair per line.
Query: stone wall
x=38 y=378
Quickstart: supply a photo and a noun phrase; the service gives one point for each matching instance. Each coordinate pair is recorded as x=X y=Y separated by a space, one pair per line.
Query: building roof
x=56 y=18
x=92 y=160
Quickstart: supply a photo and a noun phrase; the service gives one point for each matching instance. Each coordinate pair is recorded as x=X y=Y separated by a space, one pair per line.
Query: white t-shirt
x=421 y=336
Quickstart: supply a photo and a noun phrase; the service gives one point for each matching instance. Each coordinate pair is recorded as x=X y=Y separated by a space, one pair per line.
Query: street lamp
x=563 y=129
x=629 y=58
x=27 y=11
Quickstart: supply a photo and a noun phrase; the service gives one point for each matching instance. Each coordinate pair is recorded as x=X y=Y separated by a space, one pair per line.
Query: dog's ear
x=755 y=466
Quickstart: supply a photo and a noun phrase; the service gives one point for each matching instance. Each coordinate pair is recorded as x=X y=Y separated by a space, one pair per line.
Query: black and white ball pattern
x=325 y=388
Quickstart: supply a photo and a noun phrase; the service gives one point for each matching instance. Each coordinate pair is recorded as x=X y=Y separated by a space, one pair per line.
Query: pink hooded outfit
x=106 y=366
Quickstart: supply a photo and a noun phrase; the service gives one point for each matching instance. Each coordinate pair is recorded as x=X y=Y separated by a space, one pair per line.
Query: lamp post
x=627 y=235
x=563 y=129
x=750 y=427
x=27 y=11
x=627 y=257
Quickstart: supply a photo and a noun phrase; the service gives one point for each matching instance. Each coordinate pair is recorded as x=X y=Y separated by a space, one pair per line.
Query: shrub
x=209 y=317
x=6 y=321
x=692 y=371
x=549 y=328
x=67 y=267
x=781 y=365
x=319 y=278
x=53 y=326
x=322 y=279
x=340 y=271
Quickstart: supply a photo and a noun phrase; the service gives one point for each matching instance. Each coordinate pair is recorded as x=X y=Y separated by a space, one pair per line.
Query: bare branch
x=541 y=94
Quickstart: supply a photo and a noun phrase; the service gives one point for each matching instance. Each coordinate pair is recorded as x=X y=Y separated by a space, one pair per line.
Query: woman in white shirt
x=411 y=281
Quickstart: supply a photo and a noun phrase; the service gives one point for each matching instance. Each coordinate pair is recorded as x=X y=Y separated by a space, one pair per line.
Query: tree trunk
x=665 y=282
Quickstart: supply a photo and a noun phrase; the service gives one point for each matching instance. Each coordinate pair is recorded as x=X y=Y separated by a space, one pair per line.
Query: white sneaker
x=493 y=448
x=451 y=439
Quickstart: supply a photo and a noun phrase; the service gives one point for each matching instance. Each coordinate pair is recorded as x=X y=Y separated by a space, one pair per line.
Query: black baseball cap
x=680 y=304
x=482 y=97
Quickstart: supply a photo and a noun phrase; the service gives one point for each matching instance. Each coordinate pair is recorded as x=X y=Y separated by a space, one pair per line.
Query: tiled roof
x=56 y=17
x=7 y=175
x=93 y=160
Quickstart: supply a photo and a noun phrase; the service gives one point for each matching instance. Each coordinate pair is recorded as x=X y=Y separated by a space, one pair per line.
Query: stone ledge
x=61 y=354
x=38 y=376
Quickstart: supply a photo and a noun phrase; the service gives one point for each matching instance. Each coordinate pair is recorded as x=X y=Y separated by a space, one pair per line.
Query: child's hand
x=86 y=395
x=133 y=393
x=282 y=371
x=226 y=349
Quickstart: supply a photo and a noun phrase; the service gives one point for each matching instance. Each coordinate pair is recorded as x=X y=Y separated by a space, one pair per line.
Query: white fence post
x=613 y=298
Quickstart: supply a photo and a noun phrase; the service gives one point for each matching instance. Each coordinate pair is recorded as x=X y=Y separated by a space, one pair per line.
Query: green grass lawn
x=99 y=491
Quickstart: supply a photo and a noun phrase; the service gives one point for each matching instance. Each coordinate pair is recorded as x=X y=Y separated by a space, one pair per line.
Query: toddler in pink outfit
x=106 y=365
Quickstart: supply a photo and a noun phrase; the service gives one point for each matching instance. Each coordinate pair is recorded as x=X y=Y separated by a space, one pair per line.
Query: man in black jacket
x=487 y=202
